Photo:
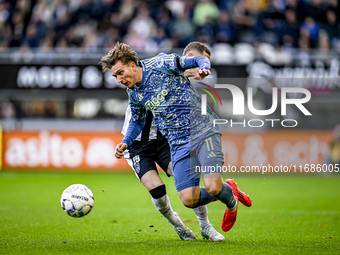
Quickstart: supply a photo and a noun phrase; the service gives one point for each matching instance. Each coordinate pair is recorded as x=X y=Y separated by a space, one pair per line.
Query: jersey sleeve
x=136 y=123
x=186 y=62
x=172 y=63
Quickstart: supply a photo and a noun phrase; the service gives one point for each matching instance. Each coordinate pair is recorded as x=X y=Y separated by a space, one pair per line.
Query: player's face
x=125 y=73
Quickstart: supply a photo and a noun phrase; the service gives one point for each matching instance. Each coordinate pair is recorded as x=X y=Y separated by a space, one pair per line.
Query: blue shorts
x=199 y=156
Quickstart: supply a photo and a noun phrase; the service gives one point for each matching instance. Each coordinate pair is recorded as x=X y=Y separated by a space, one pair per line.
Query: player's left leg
x=226 y=196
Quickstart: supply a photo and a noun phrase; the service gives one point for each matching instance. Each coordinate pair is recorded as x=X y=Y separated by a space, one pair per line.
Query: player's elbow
x=203 y=62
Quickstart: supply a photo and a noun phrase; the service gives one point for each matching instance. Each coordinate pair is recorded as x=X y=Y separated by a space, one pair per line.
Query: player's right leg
x=153 y=183
x=160 y=199
x=197 y=197
x=207 y=230
x=186 y=179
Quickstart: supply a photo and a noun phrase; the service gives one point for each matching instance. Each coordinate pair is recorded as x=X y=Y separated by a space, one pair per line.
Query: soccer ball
x=77 y=200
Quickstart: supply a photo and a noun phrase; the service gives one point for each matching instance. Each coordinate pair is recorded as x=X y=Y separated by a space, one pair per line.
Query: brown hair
x=200 y=47
x=121 y=52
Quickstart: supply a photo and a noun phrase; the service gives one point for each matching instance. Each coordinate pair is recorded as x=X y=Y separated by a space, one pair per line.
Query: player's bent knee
x=213 y=188
x=213 y=185
x=189 y=198
x=190 y=203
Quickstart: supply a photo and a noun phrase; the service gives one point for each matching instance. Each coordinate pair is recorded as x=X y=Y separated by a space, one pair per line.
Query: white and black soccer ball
x=77 y=200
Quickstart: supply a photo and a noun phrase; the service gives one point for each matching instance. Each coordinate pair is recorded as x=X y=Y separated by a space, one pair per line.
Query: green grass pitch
x=288 y=216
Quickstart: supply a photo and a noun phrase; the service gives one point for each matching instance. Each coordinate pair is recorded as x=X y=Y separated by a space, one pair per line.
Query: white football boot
x=208 y=232
x=183 y=231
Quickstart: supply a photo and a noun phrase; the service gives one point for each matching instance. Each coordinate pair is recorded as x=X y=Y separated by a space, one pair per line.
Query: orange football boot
x=229 y=218
x=242 y=196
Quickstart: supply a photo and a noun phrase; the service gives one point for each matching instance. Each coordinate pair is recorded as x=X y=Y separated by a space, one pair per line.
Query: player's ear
x=133 y=66
x=190 y=54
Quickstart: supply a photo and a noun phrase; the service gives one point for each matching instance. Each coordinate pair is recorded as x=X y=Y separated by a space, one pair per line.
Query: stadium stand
x=88 y=26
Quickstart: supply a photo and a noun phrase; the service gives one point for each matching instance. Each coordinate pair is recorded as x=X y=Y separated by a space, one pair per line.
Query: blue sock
x=226 y=196
x=205 y=198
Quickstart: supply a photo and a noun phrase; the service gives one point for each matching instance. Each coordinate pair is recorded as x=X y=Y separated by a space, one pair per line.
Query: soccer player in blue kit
x=150 y=147
x=158 y=84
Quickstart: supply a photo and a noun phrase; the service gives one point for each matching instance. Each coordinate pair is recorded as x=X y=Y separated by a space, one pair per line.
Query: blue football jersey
x=175 y=103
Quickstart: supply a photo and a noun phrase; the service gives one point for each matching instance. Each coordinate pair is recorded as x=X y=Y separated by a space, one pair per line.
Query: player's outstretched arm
x=136 y=123
x=202 y=62
x=134 y=129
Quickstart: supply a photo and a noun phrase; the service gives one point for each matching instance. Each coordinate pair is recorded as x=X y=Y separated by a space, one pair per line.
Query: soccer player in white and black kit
x=150 y=147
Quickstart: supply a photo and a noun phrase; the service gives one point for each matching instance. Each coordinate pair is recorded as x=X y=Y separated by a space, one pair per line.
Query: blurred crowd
x=91 y=25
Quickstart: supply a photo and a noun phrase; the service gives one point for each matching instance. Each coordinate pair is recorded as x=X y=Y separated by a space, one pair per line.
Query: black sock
x=226 y=196
x=205 y=198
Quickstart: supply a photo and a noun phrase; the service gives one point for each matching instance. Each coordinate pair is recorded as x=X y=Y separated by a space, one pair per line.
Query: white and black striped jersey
x=149 y=131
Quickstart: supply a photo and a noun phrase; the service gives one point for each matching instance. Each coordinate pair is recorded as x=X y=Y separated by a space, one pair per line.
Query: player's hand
x=202 y=73
x=191 y=72
x=120 y=148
